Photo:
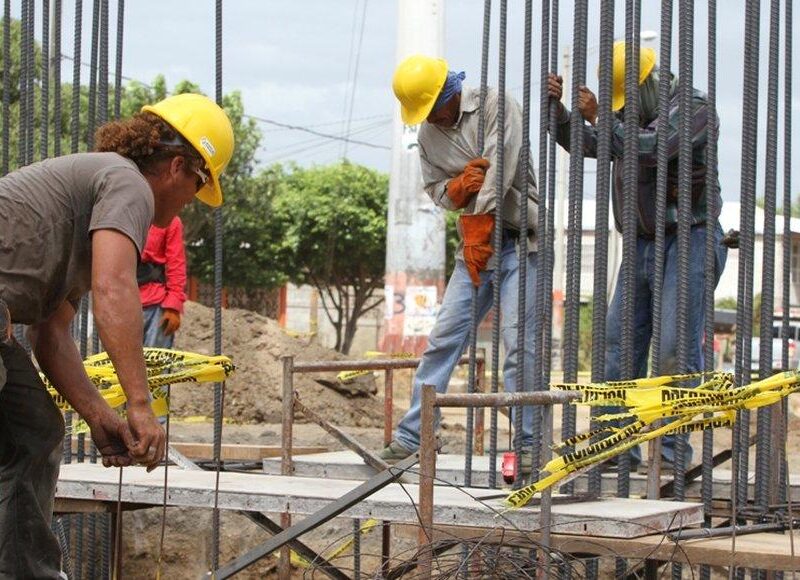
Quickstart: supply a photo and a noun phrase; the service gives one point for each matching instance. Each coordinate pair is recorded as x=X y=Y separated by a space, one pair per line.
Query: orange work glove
x=170 y=321
x=461 y=188
x=476 y=230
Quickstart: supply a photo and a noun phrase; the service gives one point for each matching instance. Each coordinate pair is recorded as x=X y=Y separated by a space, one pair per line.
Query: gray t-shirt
x=47 y=213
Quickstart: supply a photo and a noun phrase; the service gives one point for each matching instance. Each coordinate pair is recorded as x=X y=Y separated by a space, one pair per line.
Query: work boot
x=394 y=452
x=525 y=462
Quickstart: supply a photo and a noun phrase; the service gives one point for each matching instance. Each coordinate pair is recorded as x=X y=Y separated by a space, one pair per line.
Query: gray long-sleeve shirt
x=649 y=139
x=444 y=152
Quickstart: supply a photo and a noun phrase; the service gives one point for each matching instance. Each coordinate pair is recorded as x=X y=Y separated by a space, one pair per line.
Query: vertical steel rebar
x=744 y=318
x=473 y=337
x=22 y=129
x=75 y=125
x=522 y=382
x=6 y=84
x=712 y=183
x=764 y=456
x=574 y=229
x=118 y=58
x=787 y=230
x=219 y=388
x=44 y=124
x=55 y=55
x=539 y=381
x=91 y=115
x=629 y=212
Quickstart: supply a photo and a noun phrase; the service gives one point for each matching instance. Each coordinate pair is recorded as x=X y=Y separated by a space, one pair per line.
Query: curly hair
x=145 y=139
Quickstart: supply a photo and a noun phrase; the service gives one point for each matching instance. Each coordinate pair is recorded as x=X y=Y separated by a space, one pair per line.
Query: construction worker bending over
x=70 y=225
x=700 y=273
x=161 y=275
x=457 y=175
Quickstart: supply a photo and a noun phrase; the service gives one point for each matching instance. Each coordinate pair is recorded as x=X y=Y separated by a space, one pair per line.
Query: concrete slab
x=450 y=468
x=620 y=518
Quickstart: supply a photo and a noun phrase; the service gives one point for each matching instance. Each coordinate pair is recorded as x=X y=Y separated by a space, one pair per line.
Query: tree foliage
x=333 y=225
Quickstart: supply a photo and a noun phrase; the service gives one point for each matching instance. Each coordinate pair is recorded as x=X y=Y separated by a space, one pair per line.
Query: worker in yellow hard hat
x=71 y=225
x=649 y=137
x=460 y=176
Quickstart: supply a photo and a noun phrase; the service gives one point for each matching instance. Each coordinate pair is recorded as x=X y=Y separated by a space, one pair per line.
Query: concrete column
x=415 y=253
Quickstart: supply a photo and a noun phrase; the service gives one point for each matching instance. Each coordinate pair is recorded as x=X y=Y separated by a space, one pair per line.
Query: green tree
x=332 y=225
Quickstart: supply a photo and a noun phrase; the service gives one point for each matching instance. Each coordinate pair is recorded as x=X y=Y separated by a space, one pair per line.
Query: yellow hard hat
x=647 y=60
x=207 y=128
x=417 y=82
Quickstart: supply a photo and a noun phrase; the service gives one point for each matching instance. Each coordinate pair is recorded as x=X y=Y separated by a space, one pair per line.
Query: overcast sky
x=291 y=62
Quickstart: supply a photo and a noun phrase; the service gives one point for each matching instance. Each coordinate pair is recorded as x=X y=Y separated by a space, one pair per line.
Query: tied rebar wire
x=219 y=388
x=629 y=211
x=787 y=231
x=764 y=425
x=712 y=185
x=44 y=124
x=76 y=79
x=91 y=117
x=473 y=330
x=6 y=83
x=522 y=318
x=118 y=58
x=56 y=60
x=573 y=286
x=497 y=242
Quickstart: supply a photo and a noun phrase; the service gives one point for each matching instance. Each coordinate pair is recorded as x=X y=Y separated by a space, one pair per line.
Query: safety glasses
x=202 y=177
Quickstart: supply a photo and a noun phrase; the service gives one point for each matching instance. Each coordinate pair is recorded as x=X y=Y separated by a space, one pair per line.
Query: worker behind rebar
x=458 y=176
x=161 y=274
x=699 y=273
x=71 y=225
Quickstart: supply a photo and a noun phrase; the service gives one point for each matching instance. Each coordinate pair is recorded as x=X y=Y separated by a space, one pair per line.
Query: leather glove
x=170 y=321
x=461 y=188
x=476 y=231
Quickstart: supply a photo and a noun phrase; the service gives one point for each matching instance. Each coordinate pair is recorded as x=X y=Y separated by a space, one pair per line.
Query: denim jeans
x=643 y=315
x=31 y=436
x=450 y=336
x=153 y=333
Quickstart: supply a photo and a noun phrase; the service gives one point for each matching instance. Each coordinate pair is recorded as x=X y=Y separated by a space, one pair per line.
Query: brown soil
x=253 y=394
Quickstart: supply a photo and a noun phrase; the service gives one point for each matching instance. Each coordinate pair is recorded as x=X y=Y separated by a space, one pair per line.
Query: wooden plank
x=624 y=518
x=232 y=451
x=450 y=468
x=765 y=551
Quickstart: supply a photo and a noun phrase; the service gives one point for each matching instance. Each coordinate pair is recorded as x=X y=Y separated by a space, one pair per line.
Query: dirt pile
x=253 y=395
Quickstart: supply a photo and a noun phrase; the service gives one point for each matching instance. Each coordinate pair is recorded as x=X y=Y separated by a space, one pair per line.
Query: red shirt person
x=162 y=283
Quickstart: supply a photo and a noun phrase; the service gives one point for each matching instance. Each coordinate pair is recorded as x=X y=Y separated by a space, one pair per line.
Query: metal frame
x=290 y=404
x=427 y=453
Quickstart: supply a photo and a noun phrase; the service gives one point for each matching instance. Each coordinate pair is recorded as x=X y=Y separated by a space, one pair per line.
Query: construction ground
x=252 y=431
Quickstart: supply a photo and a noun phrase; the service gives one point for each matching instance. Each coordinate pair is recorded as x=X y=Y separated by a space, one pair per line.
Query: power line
x=355 y=76
x=305 y=129
x=319 y=133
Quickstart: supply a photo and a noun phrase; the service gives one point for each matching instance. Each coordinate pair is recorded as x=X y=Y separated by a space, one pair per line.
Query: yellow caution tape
x=164 y=367
x=649 y=400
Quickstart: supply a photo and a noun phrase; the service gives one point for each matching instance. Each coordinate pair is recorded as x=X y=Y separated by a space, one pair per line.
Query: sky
x=292 y=63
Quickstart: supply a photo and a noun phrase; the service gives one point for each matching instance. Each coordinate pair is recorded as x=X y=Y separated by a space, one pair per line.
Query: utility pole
x=415 y=242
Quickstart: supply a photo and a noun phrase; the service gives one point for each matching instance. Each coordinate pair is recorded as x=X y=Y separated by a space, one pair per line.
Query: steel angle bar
x=345 y=439
x=265 y=522
x=315 y=520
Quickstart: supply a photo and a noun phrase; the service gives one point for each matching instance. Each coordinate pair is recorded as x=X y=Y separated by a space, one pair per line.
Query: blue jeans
x=643 y=315
x=153 y=332
x=450 y=337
